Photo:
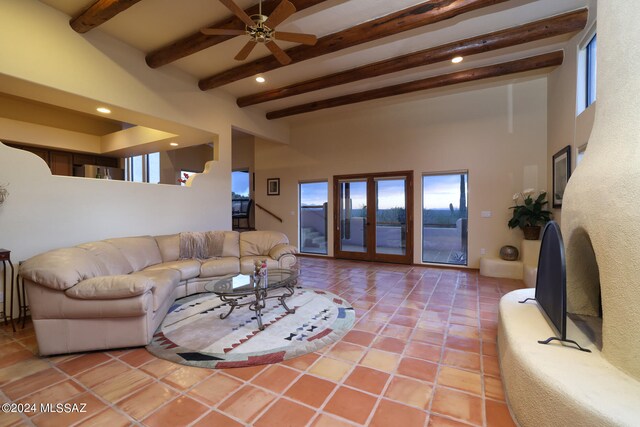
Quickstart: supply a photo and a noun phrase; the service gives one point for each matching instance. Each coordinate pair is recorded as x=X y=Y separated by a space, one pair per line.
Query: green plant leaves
x=531 y=213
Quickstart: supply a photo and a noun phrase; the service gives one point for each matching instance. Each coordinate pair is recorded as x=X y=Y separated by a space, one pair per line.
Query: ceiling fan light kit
x=261 y=29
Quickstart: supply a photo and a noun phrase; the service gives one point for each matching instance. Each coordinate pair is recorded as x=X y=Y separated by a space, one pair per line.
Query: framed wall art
x=561 y=174
x=273 y=187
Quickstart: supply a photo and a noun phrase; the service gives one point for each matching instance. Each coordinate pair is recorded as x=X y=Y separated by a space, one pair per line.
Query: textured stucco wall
x=601 y=199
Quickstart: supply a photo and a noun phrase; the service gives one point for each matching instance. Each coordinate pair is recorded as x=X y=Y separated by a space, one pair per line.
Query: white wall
x=564 y=127
x=496 y=131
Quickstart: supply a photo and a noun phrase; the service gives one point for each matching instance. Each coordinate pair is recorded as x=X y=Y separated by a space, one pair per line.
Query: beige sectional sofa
x=115 y=293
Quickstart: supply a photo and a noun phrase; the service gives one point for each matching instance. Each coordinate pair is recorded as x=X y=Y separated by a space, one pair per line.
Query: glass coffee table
x=233 y=289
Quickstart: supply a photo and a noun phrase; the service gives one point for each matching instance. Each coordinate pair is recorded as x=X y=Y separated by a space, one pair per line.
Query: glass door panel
x=373 y=217
x=353 y=215
x=391 y=216
x=444 y=218
x=313 y=217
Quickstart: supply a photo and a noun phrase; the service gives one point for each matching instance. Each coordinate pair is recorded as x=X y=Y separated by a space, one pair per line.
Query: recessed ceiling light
x=260 y=79
x=173 y=144
x=457 y=60
x=103 y=110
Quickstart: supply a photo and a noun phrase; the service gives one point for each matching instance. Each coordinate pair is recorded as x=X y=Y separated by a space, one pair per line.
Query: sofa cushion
x=254 y=243
x=169 y=246
x=282 y=249
x=111 y=287
x=61 y=268
x=165 y=282
x=247 y=265
x=220 y=267
x=188 y=268
x=140 y=251
x=109 y=256
x=231 y=245
x=46 y=303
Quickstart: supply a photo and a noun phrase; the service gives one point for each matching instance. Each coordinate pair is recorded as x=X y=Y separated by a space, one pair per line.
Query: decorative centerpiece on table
x=529 y=213
x=260 y=273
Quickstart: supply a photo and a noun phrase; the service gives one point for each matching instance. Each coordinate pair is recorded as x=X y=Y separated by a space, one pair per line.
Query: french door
x=373 y=217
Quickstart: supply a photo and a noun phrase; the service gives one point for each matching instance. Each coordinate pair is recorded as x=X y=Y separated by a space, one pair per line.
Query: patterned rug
x=193 y=334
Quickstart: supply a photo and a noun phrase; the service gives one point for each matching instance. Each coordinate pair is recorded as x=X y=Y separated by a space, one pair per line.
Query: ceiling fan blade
x=280 y=54
x=221 y=32
x=284 y=10
x=309 y=39
x=245 y=51
x=238 y=12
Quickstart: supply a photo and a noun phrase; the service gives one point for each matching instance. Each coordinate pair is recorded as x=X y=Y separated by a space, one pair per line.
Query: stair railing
x=269 y=212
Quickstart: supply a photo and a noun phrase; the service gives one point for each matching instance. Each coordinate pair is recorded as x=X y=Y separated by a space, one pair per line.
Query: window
x=153 y=168
x=240 y=184
x=587 y=73
x=143 y=168
x=444 y=218
x=591 y=71
x=313 y=217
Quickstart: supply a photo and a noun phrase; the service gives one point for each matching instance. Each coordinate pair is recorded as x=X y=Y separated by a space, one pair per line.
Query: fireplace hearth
x=555 y=385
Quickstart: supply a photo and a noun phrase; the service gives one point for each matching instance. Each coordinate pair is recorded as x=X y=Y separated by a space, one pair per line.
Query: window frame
x=422 y=210
x=130 y=170
x=326 y=219
x=586 y=77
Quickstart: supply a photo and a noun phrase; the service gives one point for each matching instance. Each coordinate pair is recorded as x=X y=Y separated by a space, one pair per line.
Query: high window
x=587 y=67
x=313 y=217
x=444 y=218
x=143 y=168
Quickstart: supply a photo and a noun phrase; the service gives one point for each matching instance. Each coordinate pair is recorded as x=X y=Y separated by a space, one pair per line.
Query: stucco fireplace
x=559 y=385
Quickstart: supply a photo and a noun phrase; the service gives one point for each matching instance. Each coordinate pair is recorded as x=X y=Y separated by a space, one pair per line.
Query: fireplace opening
x=584 y=296
x=583 y=285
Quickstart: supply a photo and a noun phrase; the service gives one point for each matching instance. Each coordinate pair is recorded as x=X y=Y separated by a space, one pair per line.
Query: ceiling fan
x=261 y=29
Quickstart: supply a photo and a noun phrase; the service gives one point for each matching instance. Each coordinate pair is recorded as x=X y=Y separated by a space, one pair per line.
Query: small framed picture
x=273 y=187
x=561 y=174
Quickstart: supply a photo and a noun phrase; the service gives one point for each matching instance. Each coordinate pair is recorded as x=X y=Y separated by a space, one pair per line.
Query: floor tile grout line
x=346 y=376
x=442 y=351
x=391 y=376
x=483 y=409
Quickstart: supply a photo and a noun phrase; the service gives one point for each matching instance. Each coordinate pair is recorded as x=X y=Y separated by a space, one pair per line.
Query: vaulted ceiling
x=366 y=49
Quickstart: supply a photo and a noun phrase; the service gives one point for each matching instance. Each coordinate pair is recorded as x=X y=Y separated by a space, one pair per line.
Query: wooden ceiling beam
x=99 y=13
x=410 y=18
x=545 y=28
x=196 y=42
x=521 y=65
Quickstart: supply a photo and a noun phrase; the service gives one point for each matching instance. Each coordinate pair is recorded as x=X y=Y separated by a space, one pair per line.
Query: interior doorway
x=373 y=217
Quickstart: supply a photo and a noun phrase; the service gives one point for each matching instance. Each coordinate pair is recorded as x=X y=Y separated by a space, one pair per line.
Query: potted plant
x=529 y=213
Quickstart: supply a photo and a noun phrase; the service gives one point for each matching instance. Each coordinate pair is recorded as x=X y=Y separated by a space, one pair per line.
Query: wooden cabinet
x=80 y=159
x=61 y=163
x=111 y=162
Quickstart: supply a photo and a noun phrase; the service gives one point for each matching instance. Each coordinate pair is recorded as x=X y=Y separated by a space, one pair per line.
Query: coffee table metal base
x=260 y=301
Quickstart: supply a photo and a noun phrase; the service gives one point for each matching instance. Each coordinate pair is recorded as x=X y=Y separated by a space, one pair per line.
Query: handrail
x=269 y=212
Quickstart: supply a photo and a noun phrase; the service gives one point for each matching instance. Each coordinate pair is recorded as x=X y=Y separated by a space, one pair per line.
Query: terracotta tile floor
x=422 y=353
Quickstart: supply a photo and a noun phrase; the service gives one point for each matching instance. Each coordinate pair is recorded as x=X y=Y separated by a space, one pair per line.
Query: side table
x=5 y=257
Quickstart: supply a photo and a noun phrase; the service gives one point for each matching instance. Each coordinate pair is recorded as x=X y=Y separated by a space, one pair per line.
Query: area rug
x=193 y=334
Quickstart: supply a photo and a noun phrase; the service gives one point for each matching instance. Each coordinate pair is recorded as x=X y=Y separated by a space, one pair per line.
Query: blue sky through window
x=240 y=182
x=314 y=193
x=440 y=190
